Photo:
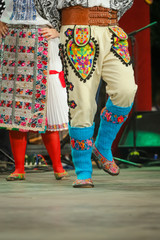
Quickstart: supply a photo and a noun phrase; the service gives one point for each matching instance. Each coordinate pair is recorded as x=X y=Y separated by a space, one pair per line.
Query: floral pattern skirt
x=24 y=64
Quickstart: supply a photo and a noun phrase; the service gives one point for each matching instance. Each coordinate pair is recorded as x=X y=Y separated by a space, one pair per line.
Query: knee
x=125 y=95
x=128 y=91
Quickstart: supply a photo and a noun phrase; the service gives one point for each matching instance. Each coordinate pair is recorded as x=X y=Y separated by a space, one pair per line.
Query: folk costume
x=93 y=46
x=33 y=94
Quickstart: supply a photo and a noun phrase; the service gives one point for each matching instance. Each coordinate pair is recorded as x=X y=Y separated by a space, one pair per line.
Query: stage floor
x=125 y=207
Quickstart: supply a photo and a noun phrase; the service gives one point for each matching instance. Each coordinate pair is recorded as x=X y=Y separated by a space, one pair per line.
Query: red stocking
x=52 y=143
x=18 y=141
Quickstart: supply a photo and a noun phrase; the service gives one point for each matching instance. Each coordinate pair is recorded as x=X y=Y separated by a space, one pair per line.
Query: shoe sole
x=13 y=179
x=112 y=174
x=62 y=178
x=83 y=186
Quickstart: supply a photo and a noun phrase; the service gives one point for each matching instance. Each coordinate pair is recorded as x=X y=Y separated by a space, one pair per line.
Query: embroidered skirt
x=24 y=79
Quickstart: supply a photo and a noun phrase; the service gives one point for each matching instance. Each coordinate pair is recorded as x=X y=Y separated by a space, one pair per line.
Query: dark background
x=155 y=49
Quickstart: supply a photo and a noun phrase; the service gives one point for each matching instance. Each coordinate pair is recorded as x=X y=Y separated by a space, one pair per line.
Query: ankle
x=19 y=171
x=107 y=153
x=84 y=175
x=58 y=170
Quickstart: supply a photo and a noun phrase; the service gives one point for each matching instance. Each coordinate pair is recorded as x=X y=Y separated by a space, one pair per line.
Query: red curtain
x=136 y=18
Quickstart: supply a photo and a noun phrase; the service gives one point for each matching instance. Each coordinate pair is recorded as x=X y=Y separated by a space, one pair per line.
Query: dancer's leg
x=51 y=141
x=18 y=141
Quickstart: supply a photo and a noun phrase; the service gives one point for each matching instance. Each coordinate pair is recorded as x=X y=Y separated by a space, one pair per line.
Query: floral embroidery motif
x=4 y=76
x=29 y=78
x=72 y=104
x=22 y=49
x=111 y=117
x=27 y=105
x=18 y=104
x=3 y=89
x=9 y=104
x=11 y=77
x=2 y=103
x=13 y=33
x=5 y=119
x=30 y=49
x=70 y=86
x=39 y=107
x=20 y=77
x=31 y=64
x=82 y=52
x=21 y=63
x=5 y=62
x=82 y=145
x=19 y=91
x=31 y=34
x=119 y=32
x=10 y=90
x=120 y=45
x=81 y=36
x=6 y=48
x=22 y=34
x=12 y=48
x=36 y=121
x=69 y=32
x=20 y=121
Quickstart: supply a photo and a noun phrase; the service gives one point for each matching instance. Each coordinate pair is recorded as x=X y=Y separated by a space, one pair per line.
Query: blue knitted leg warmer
x=81 y=146
x=112 y=118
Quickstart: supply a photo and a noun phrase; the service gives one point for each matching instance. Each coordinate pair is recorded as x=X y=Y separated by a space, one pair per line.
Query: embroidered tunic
x=49 y=8
x=26 y=13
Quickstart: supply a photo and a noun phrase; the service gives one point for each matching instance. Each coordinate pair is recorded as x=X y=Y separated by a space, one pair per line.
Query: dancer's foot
x=102 y=163
x=60 y=176
x=16 y=176
x=86 y=183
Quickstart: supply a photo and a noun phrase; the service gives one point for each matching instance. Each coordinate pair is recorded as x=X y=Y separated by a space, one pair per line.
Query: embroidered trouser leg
x=89 y=54
x=85 y=65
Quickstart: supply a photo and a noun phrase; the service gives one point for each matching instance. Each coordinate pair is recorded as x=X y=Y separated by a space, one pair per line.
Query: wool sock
x=81 y=146
x=112 y=118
